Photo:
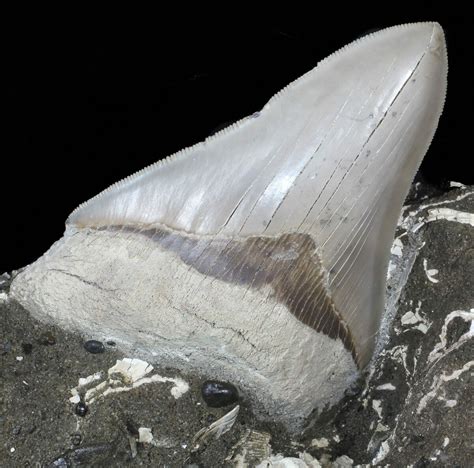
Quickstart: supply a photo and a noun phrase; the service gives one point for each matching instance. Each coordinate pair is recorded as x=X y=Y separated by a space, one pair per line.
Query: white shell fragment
x=320 y=443
x=216 y=429
x=145 y=436
x=387 y=386
x=450 y=215
x=125 y=375
x=130 y=370
x=430 y=272
x=442 y=348
x=260 y=254
x=253 y=446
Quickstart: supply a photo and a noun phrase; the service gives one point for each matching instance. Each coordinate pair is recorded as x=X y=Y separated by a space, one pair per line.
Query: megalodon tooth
x=260 y=254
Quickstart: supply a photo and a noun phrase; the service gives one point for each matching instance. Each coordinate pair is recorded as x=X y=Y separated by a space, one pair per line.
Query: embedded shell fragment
x=260 y=255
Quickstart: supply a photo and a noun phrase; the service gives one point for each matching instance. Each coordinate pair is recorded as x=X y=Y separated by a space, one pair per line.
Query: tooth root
x=262 y=251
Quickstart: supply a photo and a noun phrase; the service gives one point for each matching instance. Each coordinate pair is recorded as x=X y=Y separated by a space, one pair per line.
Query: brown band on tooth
x=289 y=264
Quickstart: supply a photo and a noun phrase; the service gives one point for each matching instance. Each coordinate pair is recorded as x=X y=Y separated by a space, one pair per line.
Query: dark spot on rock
x=355 y=388
x=211 y=418
x=47 y=338
x=76 y=438
x=29 y=429
x=95 y=455
x=132 y=428
x=417 y=439
x=422 y=463
x=111 y=343
x=394 y=114
x=16 y=430
x=81 y=409
x=5 y=347
x=91 y=454
x=456 y=328
x=94 y=346
x=27 y=348
x=217 y=394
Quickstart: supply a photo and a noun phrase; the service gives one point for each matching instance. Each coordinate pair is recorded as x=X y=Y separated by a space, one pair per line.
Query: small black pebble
x=27 y=348
x=29 y=429
x=217 y=394
x=16 y=430
x=111 y=343
x=94 y=346
x=47 y=339
x=132 y=428
x=81 y=409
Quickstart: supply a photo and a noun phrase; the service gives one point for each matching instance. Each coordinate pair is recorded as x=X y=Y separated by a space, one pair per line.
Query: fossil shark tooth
x=260 y=254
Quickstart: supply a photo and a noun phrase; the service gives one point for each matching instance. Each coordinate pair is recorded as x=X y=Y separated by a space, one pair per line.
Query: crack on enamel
x=83 y=280
x=213 y=324
x=289 y=264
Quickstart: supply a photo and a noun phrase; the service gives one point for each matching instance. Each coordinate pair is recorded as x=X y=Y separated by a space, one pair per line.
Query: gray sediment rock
x=414 y=406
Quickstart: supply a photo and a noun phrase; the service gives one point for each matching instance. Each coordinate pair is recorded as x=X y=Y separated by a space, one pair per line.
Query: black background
x=86 y=106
